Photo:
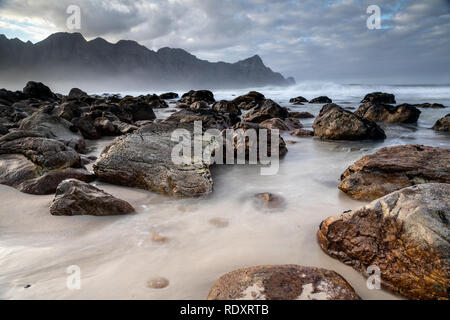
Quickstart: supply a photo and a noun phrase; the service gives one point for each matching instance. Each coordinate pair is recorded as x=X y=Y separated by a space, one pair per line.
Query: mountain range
x=66 y=60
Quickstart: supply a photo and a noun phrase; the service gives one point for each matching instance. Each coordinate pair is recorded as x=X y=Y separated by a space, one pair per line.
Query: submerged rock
x=335 y=123
x=34 y=164
x=267 y=110
x=302 y=133
x=322 y=99
x=443 y=124
x=379 y=97
x=269 y=200
x=405 y=234
x=74 y=197
x=430 y=105
x=393 y=168
x=143 y=160
x=386 y=113
x=282 y=282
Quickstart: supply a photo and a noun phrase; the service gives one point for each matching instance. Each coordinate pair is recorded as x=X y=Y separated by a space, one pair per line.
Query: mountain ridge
x=67 y=60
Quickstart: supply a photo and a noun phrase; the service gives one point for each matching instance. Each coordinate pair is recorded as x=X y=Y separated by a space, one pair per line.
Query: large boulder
x=34 y=164
x=379 y=97
x=54 y=127
x=143 y=160
x=224 y=106
x=200 y=95
x=86 y=125
x=321 y=99
x=443 y=124
x=405 y=234
x=267 y=110
x=249 y=100
x=282 y=282
x=74 y=197
x=76 y=93
x=39 y=91
x=393 y=168
x=386 y=113
x=336 y=123
x=168 y=96
x=282 y=125
x=8 y=98
x=209 y=118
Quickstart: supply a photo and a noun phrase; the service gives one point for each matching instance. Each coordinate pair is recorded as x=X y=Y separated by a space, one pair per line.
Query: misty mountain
x=65 y=60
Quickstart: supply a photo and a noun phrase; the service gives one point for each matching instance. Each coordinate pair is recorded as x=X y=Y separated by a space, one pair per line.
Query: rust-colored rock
x=393 y=168
x=405 y=234
x=282 y=282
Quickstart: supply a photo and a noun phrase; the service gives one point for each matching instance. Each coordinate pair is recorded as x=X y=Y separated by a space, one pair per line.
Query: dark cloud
x=310 y=39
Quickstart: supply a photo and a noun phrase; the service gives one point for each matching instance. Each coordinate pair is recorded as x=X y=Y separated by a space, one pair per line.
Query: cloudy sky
x=310 y=40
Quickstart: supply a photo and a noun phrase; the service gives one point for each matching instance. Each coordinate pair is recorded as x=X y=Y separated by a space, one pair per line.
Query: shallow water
x=205 y=238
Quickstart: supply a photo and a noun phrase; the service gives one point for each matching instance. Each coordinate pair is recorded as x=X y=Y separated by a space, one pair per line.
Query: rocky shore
x=404 y=231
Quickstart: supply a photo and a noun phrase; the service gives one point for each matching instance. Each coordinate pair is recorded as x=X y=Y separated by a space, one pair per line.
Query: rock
x=86 y=125
x=143 y=160
x=405 y=234
x=199 y=105
x=299 y=100
x=69 y=110
x=379 y=97
x=389 y=114
x=209 y=118
x=302 y=133
x=74 y=197
x=3 y=129
x=180 y=105
x=282 y=282
x=34 y=164
x=12 y=114
x=239 y=144
x=269 y=200
x=335 y=123
x=250 y=100
x=141 y=111
x=76 y=93
x=200 y=95
x=393 y=168
x=321 y=99
x=267 y=110
x=124 y=128
x=219 y=222
x=39 y=91
x=105 y=127
x=277 y=123
x=54 y=127
x=168 y=96
x=224 y=106
x=158 y=283
x=8 y=98
x=430 y=105
x=301 y=115
x=443 y=124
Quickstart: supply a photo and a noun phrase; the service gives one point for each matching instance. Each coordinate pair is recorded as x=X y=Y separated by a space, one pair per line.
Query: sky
x=312 y=40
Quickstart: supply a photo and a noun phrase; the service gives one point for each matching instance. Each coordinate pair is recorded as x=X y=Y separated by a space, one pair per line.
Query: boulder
x=86 y=125
x=302 y=133
x=379 y=97
x=443 y=124
x=74 y=197
x=143 y=160
x=225 y=106
x=430 y=105
x=267 y=110
x=69 y=110
x=321 y=99
x=276 y=123
x=386 y=113
x=34 y=164
x=335 y=123
x=405 y=234
x=299 y=100
x=282 y=282
x=199 y=105
x=209 y=118
x=105 y=127
x=301 y=115
x=200 y=95
x=54 y=127
x=8 y=98
x=76 y=93
x=249 y=100
x=168 y=96
x=39 y=91
x=393 y=168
